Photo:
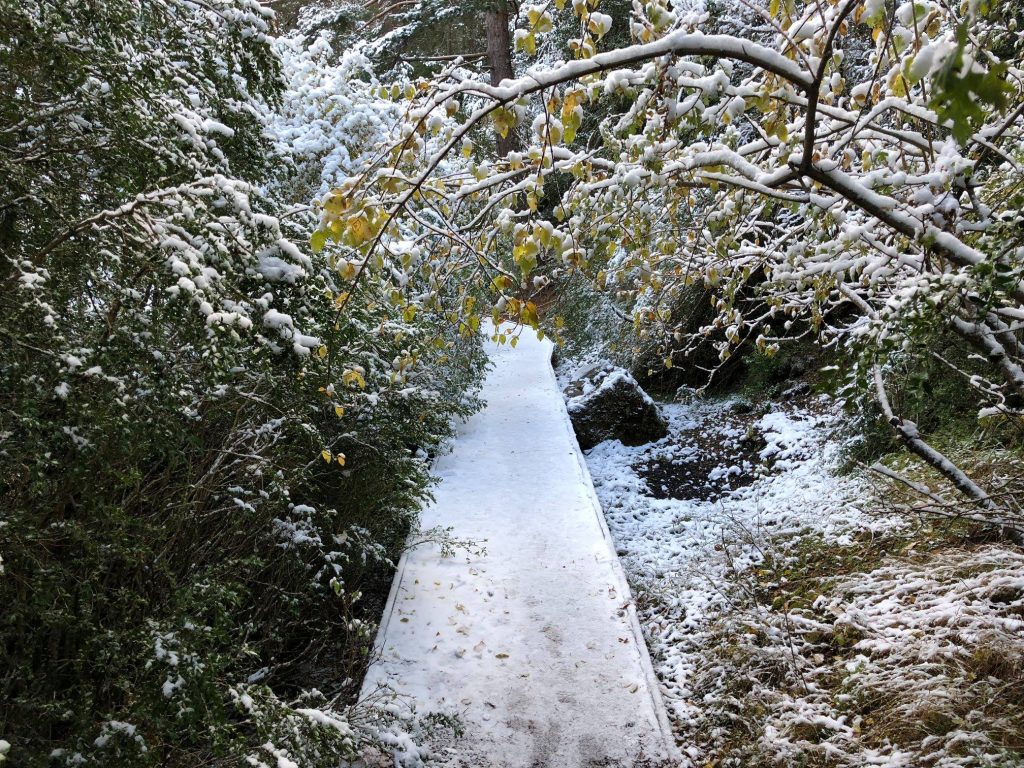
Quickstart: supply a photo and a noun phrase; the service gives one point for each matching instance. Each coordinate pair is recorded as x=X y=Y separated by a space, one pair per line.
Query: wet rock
x=606 y=403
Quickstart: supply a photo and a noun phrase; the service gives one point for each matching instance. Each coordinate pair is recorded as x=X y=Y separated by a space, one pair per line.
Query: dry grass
x=901 y=650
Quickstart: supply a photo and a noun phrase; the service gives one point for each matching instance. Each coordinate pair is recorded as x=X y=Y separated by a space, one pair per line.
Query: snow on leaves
x=853 y=172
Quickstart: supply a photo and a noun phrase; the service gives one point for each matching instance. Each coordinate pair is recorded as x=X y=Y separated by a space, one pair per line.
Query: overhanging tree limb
x=911 y=437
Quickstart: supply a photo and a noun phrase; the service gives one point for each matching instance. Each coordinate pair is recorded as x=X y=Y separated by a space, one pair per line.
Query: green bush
x=204 y=467
x=924 y=388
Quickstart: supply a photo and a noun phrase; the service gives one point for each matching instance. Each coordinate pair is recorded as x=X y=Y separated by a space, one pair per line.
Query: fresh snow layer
x=534 y=645
x=683 y=552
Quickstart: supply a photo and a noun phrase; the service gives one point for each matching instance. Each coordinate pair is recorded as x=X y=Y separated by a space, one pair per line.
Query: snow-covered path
x=535 y=645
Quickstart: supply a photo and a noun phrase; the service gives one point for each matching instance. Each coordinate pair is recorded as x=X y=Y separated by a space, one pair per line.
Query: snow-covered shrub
x=203 y=463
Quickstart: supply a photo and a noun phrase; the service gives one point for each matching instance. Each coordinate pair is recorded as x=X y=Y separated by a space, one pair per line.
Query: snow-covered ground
x=683 y=549
x=534 y=646
x=728 y=529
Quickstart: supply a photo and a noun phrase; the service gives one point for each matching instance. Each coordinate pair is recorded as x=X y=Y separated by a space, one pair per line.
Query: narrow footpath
x=534 y=645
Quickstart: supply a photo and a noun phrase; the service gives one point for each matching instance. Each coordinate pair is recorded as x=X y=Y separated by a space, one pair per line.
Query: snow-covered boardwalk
x=535 y=645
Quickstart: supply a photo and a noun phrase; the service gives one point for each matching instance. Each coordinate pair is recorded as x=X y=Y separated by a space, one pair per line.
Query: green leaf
x=966 y=98
x=318 y=241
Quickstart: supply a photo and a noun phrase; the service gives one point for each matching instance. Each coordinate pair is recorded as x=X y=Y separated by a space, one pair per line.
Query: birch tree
x=856 y=198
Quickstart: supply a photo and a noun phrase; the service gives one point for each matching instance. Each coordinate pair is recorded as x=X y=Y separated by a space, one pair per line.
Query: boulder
x=606 y=403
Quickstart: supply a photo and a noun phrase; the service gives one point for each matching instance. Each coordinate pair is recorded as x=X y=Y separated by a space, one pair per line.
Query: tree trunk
x=499 y=56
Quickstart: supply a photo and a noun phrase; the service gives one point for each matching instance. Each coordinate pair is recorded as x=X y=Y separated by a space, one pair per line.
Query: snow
x=323 y=718
x=274 y=268
x=683 y=550
x=601 y=380
x=118 y=727
x=533 y=644
x=787 y=439
x=170 y=686
x=730 y=661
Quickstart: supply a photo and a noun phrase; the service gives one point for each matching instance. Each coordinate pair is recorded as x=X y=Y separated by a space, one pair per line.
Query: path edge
x=640 y=643
x=377 y=651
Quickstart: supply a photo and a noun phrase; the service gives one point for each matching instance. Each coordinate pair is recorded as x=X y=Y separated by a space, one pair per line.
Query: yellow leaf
x=358 y=230
x=340 y=458
x=527 y=43
x=504 y=121
x=337 y=203
x=339 y=411
x=347 y=269
x=322 y=352
x=326 y=455
x=539 y=19
x=529 y=314
x=351 y=377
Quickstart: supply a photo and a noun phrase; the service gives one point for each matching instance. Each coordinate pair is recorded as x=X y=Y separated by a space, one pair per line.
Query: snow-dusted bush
x=331 y=122
x=203 y=463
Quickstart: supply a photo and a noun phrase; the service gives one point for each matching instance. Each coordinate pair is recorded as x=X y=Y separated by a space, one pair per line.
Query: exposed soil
x=703 y=464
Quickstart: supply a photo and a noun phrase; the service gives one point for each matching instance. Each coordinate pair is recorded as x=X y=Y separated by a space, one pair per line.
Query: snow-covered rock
x=606 y=403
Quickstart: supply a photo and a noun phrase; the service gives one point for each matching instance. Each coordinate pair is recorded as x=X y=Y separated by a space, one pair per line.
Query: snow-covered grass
x=793 y=617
